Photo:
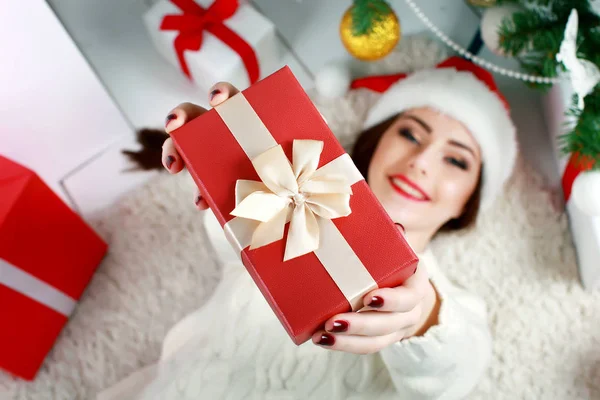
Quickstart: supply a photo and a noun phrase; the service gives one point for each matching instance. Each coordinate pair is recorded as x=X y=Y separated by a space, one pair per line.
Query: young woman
x=436 y=148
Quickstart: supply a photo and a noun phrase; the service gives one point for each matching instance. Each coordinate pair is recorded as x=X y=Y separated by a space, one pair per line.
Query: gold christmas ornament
x=377 y=43
x=482 y=3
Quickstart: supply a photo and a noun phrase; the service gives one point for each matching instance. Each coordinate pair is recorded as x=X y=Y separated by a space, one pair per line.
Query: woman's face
x=424 y=169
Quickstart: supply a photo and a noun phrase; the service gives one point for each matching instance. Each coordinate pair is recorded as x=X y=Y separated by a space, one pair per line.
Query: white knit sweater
x=234 y=348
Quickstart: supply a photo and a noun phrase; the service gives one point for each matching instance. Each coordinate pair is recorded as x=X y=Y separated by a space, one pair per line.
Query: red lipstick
x=411 y=184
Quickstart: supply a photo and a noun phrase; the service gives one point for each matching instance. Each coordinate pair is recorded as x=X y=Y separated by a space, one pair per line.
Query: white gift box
x=584 y=228
x=216 y=61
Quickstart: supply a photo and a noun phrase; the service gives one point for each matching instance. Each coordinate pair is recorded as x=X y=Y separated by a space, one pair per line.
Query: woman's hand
x=181 y=115
x=391 y=314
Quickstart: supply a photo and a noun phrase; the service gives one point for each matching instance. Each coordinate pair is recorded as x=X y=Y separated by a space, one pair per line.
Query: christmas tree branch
x=527 y=31
x=584 y=138
x=365 y=13
x=534 y=35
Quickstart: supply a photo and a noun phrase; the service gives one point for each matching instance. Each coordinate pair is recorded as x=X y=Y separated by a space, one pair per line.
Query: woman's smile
x=405 y=187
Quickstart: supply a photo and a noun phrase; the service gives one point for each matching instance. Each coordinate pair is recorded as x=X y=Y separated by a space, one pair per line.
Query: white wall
x=55 y=114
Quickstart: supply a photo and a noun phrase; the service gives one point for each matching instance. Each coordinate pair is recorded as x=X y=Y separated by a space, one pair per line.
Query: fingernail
x=326 y=340
x=214 y=93
x=198 y=199
x=170 y=118
x=401 y=226
x=339 y=326
x=170 y=161
x=376 y=302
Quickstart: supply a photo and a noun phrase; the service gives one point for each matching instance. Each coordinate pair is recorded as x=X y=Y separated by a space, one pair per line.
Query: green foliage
x=533 y=35
x=585 y=136
x=365 y=13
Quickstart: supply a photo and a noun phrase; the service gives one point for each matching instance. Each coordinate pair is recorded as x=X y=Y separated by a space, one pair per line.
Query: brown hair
x=362 y=153
x=149 y=157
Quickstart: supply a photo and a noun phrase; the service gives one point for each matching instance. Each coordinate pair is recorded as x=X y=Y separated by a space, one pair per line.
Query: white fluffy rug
x=519 y=258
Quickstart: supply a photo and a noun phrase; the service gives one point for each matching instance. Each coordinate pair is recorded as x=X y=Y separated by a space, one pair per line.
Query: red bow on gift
x=195 y=20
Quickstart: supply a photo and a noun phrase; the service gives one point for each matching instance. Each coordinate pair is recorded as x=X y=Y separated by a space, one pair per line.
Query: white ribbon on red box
x=36 y=289
x=333 y=251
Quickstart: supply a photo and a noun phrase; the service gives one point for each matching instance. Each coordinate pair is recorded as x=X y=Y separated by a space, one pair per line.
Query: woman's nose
x=421 y=162
x=420 y=170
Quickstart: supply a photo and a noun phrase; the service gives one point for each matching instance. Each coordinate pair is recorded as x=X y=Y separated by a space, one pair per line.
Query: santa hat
x=460 y=89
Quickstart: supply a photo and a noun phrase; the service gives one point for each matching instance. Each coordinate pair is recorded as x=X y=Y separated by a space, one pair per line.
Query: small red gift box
x=267 y=156
x=47 y=257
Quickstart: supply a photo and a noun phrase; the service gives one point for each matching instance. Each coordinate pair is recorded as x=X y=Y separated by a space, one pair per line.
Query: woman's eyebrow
x=463 y=146
x=419 y=121
x=429 y=130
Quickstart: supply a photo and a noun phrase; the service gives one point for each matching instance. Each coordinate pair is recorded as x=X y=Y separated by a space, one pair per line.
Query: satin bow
x=291 y=192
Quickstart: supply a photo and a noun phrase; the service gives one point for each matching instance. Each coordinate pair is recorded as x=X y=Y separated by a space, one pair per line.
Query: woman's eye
x=459 y=163
x=407 y=133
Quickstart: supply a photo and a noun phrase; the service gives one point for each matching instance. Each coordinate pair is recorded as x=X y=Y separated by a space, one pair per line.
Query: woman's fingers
x=199 y=200
x=217 y=94
x=170 y=158
x=184 y=113
x=174 y=164
x=178 y=116
x=220 y=92
x=355 y=344
x=397 y=299
x=372 y=323
x=402 y=298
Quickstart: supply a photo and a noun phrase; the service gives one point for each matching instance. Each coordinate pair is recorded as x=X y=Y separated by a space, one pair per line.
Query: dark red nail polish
x=326 y=340
x=170 y=118
x=170 y=161
x=401 y=226
x=198 y=199
x=339 y=326
x=376 y=302
x=214 y=93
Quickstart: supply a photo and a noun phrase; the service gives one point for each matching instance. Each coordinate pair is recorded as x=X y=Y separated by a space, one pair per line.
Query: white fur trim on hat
x=460 y=95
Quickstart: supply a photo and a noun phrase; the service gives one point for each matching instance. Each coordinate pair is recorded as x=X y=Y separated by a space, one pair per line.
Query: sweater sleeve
x=450 y=358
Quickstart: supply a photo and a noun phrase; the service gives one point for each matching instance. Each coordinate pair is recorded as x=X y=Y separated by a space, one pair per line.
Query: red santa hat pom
x=460 y=89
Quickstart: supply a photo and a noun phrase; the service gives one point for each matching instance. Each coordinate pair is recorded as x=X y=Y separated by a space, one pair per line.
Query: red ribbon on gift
x=195 y=20
x=577 y=164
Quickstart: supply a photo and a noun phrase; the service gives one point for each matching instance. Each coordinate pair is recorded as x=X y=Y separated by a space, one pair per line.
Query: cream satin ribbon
x=36 y=289
x=298 y=193
x=291 y=193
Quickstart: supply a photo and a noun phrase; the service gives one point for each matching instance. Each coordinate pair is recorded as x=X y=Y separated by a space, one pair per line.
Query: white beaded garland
x=477 y=60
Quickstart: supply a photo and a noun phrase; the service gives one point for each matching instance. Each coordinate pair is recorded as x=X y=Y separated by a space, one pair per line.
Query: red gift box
x=47 y=257
x=356 y=253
